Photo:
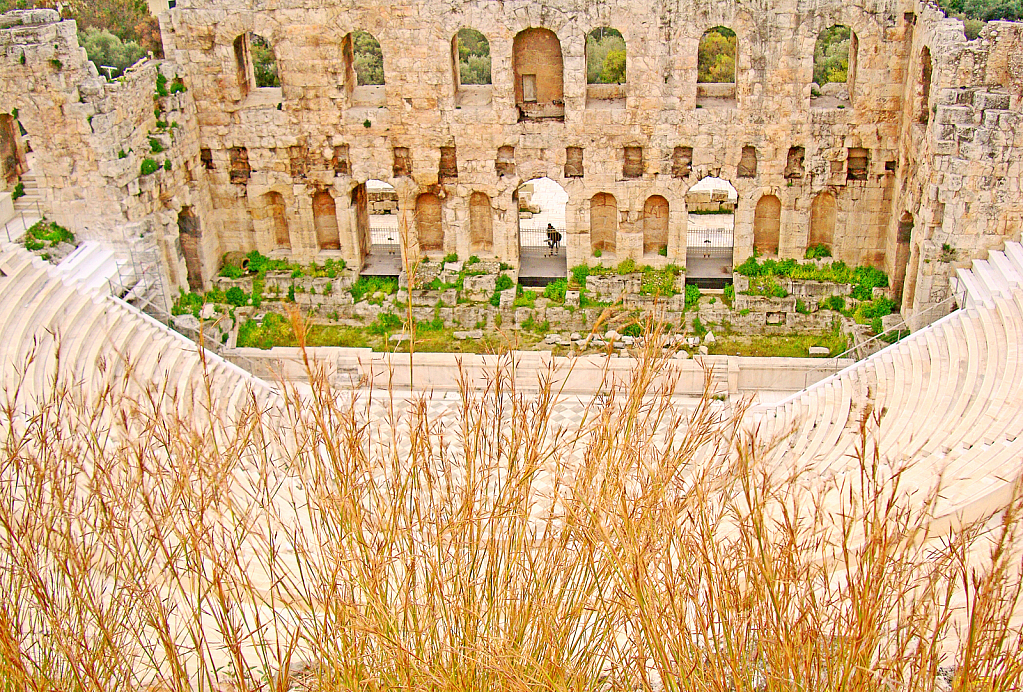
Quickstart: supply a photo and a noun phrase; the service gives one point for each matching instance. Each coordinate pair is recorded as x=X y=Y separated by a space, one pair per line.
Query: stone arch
x=328 y=236
x=925 y=85
x=606 y=54
x=276 y=212
x=481 y=224
x=834 y=63
x=603 y=222
x=823 y=215
x=429 y=223
x=264 y=63
x=189 y=235
x=767 y=225
x=539 y=71
x=655 y=224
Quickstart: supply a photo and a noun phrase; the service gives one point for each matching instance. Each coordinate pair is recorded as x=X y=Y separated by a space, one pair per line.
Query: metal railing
x=535 y=242
x=385 y=240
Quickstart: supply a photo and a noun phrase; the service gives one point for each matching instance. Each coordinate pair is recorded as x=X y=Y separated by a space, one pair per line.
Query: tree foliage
x=106 y=49
x=368 y=58
x=605 y=56
x=264 y=63
x=716 y=57
x=128 y=20
x=831 y=55
x=984 y=10
x=473 y=57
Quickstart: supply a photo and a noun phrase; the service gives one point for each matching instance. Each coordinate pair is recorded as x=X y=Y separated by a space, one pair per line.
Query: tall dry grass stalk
x=384 y=541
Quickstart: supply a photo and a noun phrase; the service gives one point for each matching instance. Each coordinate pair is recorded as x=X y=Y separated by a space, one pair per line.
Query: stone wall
x=900 y=170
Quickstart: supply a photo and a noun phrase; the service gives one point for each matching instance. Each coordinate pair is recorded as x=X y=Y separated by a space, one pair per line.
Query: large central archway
x=710 y=234
x=376 y=217
x=541 y=206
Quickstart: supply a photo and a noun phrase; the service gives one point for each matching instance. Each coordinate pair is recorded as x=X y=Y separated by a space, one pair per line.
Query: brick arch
x=430 y=222
x=603 y=222
x=328 y=236
x=823 y=216
x=767 y=224
x=655 y=223
x=537 y=51
x=481 y=223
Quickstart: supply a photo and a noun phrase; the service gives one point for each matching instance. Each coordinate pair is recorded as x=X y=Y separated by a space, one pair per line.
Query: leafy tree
x=368 y=58
x=716 y=57
x=984 y=10
x=264 y=64
x=831 y=55
x=104 y=48
x=473 y=57
x=600 y=43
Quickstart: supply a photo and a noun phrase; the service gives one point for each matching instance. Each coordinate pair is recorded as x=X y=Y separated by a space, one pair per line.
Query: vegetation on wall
x=473 y=57
x=831 y=55
x=605 y=56
x=368 y=58
x=716 y=59
x=984 y=10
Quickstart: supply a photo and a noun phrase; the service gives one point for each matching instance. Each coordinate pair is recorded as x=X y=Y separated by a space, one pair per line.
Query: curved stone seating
x=950 y=395
x=101 y=340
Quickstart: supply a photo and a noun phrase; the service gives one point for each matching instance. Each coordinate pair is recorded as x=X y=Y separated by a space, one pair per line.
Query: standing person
x=553 y=238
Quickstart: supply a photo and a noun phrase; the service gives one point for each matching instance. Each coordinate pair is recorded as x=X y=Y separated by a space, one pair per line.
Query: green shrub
x=504 y=282
x=18 y=192
x=385 y=322
x=368 y=285
x=451 y=257
x=178 y=86
x=122 y=154
x=291 y=293
x=692 y=295
x=659 y=282
x=495 y=299
x=663 y=252
x=43 y=233
x=818 y=251
x=166 y=165
x=598 y=252
x=472 y=260
x=579 y=274
x=149 y=166
x=232 y=271
x=154 y=145
x=633 y=329
x=626 y=266
x=698 y=328
x=555 y=290
x=801 y=307
x=525 y=299
x=237 y=297
x=161 y=85
x=729 y=294
x=836 y=303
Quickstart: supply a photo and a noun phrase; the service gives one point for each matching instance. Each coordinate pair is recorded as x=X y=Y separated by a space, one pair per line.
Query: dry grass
x=145 y=550
x=302 y=542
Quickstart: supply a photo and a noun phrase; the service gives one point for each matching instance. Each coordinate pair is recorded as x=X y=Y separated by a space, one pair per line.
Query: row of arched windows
x=538 y=64
x=767 y=223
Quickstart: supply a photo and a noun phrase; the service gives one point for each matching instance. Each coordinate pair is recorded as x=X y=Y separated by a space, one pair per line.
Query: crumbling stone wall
x=930 y=130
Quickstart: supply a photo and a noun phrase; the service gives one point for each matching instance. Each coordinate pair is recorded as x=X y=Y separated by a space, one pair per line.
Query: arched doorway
x=711 y=205
x=541 y=206
x=767 y=225
x=377 y=224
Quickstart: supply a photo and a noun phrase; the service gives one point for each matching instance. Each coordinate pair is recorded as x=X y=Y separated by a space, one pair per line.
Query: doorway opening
x=541 y=206
x=710 y=234
x=376 y=218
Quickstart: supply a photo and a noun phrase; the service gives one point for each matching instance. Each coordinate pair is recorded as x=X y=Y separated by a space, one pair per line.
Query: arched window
x=710 y=229
x=539 y=75
x=481 y=224
x=767 y=225
x=367 y=59
x=834 y=68
x=190 y=236
x=429 y=223
x=715 y=68
x=603 y=222
x=470 y=61
x=605 y=68
x=823 y=214
x=903 y=247
x=363 y=69
x=471 y=52
x=925 y=85
x=655 y=225
x=12 y=159
x=325 y=221
x=255 y=63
